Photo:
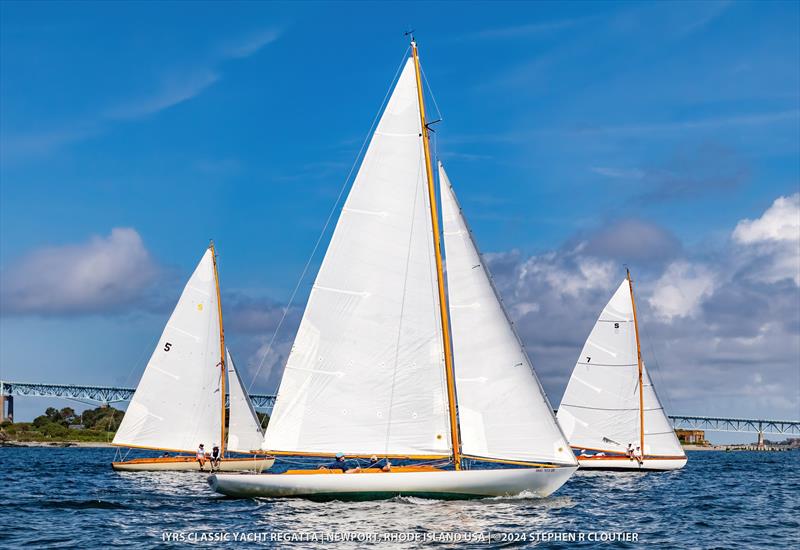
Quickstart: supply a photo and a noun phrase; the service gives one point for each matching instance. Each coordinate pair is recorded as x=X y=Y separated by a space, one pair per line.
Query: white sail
x=366 y=371
x=244 y=429
x=177 y=404
x=600 y=409
x=503 y=412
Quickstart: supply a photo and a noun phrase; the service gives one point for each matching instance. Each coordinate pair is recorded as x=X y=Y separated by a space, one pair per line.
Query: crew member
x=201 y=456
x=374 y=463
x=216 y=456
x=341 y=463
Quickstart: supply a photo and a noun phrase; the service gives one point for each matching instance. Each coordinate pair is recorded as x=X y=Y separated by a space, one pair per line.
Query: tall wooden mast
x=639 y=361
x=448 y=354
x=221 y=352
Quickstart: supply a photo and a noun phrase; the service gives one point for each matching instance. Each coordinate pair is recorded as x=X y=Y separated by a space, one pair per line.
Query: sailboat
x=610 y=411
x=180 y=400
x=373 y=370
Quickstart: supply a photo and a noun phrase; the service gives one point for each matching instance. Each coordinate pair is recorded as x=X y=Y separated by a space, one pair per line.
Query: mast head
x=410 y=33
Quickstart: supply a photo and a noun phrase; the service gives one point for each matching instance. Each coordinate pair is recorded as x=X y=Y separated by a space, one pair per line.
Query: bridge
x=106 y=395
x=90 y=395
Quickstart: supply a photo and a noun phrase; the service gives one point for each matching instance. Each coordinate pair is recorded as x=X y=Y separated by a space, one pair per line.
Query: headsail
x=177 y=404
x=244 y=429
x=366 y=372
x=502 y=409
x=600 y=408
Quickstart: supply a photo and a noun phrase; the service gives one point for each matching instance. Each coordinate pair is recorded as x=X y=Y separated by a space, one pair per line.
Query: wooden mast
x=221 y=352
x=639 y=361
x=448 y=354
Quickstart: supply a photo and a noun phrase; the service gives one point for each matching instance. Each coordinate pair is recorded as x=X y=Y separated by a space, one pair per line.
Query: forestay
x=366 y=371
x=244 y=429
x=600 y=408
x=177 y=404
x=503 y=411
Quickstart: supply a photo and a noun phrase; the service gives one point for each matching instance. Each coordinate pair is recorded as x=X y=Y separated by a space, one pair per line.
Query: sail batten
x=177 y=404
x=503 y=412
x=603 y=406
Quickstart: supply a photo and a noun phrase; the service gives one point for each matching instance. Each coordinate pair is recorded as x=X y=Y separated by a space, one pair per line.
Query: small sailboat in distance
x=372 y=370
x=610 y=411
x=180 y=400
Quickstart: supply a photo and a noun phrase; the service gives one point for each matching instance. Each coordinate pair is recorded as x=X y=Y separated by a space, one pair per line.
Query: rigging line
x=658 y=370
x=430 y=91
x=402 y=309
x=327 y=223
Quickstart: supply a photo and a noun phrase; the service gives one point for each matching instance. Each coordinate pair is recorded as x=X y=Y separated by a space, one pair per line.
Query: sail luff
x=639 y=364
x=455 y=440
x=221 y=353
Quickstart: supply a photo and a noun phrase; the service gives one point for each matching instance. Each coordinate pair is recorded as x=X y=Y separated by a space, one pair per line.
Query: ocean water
x=67 y=498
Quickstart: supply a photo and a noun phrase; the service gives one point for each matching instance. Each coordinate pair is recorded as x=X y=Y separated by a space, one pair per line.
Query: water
x=51 y=497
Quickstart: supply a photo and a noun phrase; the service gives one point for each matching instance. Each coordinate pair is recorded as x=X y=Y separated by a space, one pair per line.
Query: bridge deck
x=110 y=394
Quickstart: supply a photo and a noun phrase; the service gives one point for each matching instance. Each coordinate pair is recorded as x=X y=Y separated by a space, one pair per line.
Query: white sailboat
x=180 y=400
x=610 y=411
x=372 y=370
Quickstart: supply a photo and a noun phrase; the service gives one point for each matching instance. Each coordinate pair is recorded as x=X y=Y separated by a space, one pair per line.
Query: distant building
x=692 y=437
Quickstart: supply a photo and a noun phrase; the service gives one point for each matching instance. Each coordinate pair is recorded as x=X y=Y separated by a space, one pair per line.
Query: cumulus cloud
x=770 y=244
x=720 y=325
x=681 y=289
x=781 y=222
x=98 y=276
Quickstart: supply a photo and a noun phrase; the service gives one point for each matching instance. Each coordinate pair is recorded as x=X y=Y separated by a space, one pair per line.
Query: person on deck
x=374 y=463
x=342 y=464
x=629 y=451
x=637 y=454
x=215 y=458
x=201 y=456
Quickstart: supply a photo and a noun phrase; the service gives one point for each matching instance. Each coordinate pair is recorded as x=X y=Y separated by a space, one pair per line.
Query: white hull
x=432 y=484
x=624 y=463
x=189 y=464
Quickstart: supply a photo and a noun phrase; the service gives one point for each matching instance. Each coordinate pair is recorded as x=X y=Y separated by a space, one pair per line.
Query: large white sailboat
x=180 y=400
x=610 y=411
x=372 y=370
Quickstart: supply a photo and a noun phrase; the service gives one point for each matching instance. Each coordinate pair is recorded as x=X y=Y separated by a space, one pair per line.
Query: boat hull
x=440 y=484
x=189 y=464
x=623 y=463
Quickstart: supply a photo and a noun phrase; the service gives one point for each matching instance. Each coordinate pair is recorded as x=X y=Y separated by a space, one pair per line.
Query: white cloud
x=769 y=246
x=97 y=276
x=680 y=290
x=781 y=222
x=172 y=92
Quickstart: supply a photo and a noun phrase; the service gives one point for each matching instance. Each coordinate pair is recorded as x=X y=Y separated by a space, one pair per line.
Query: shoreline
x=57 y=444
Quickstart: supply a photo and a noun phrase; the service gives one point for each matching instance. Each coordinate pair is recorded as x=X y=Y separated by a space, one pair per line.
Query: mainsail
x=602 y=408
x=503 y=411
x=177 y=404
x=366 y=372
x=244 y=429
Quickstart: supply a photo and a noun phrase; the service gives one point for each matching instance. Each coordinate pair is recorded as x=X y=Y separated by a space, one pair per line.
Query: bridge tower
x=9 y=400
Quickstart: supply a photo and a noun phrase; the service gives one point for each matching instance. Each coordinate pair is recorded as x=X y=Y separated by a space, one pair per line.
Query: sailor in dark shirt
x=379 y=464
x=346 y=466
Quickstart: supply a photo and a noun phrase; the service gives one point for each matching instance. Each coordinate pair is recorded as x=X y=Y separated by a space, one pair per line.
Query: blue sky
x=570 y=129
